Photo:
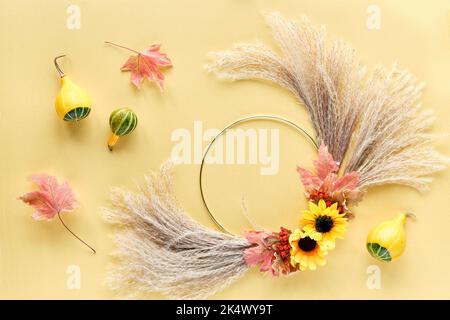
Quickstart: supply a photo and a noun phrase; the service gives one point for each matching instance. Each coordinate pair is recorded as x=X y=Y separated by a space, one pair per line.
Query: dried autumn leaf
x=261 y=253
x=326 y=178
x=146 y=65
x=51 y=200
x=310 y=180
x=347 y=182
x=325 y=163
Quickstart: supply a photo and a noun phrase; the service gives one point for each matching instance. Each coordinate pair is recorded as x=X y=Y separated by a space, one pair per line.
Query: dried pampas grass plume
x=370 y=122
x=390 y=144
x=161 y=249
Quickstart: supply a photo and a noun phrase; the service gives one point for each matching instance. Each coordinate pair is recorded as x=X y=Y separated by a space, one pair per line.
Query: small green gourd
x=122 y=121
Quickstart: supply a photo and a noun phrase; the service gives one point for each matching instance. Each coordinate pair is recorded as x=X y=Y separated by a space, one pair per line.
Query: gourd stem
x=55 y=61
x=65 y=226
x=112 y=141
x=410 y=214
x=123 y=47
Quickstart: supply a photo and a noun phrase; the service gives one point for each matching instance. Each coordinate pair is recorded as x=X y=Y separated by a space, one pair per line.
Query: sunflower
x=305 y=251
x=324 y=223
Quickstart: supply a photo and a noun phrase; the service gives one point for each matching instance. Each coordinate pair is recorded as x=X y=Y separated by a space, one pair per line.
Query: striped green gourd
x=122 y=122
x=77 y=114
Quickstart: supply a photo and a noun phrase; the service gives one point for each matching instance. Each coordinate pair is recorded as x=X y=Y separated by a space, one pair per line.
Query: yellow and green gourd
x=122 y=122
x=387 y=241
x=72 y=102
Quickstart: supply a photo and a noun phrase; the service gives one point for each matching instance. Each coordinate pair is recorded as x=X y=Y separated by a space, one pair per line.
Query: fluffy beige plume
x=391 y=143
x=370 y=122
x=161 y=249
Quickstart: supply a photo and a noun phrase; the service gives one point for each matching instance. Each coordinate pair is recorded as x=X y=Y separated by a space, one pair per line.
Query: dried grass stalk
x=161 y=249
x=391 y=143
x=326 y=79
x=370 y=120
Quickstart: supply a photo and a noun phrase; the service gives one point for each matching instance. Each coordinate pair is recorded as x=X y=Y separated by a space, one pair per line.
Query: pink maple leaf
x=349 y=181
x=260 y=253
x=310 y=180
x=146 y=65
x=325 y=163
x=326 y=178
x=51 y=199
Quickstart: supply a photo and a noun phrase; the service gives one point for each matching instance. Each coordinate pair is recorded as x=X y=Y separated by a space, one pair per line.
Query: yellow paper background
x=35 y=256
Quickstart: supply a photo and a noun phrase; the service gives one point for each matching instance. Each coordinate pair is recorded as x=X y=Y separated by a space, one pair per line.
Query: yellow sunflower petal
x=309 y=228
x=328 y=244
x=322 y=205
x=313 y=207
x=311 y=232
x=308 y=215
x=321 y=261
x=316 y=236
x=293 y=261
x=295 y=235
x=334 y=213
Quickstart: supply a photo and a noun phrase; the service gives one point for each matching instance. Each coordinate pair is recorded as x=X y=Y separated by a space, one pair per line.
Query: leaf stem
x=68 y=229
x=123 y=47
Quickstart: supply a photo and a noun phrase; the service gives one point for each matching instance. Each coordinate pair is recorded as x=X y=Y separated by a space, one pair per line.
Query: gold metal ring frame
x=230 y=126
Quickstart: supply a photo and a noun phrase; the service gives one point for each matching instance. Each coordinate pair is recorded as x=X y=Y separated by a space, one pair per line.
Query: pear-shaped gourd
x=72 y=102
x=122 y=122
x=387 y=241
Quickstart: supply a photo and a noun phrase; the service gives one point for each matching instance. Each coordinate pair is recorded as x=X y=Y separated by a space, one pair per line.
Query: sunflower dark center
x=324 y=224
x=307 y=244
